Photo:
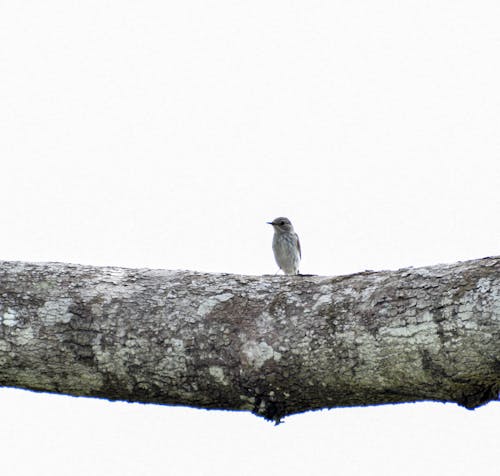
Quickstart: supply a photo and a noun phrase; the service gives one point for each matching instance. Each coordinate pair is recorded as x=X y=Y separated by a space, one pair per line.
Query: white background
x=165 y=134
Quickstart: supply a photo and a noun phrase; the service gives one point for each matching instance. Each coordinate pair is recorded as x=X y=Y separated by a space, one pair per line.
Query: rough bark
x=274 y=345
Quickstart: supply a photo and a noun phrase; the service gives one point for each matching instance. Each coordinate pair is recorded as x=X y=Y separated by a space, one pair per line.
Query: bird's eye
x=282 y=223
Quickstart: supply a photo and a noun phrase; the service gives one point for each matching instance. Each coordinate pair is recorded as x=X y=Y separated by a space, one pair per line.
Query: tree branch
x=274 y=345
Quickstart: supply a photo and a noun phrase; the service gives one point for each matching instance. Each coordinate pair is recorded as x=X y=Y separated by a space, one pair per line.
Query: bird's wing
x=298 y=245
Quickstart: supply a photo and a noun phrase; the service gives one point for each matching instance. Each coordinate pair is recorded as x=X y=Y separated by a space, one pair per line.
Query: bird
x=286 y=245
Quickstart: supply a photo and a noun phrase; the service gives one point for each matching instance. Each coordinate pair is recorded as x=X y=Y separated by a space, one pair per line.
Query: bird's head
x=281 y=224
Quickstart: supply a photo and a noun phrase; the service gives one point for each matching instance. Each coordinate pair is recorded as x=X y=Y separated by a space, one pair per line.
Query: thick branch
x=274 y=345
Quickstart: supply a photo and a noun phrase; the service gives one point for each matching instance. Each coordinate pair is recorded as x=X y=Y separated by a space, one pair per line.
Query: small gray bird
x=286 y=245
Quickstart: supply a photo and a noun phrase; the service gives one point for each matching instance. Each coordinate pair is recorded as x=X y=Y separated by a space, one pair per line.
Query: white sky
x=165 y=134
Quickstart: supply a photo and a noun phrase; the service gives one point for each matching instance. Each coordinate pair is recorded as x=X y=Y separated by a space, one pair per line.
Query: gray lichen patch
x=24 y=336
x=218 y=374
x=258 y=353
x=322 y=301
x=421 y=331
x=9 y=318
x=56 y=311
x=208 y=304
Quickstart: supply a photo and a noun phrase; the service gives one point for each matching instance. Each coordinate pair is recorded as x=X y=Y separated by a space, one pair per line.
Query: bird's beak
x=269 y=222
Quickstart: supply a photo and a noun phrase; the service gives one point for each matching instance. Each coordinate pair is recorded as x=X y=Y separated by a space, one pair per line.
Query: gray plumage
x=286 y=245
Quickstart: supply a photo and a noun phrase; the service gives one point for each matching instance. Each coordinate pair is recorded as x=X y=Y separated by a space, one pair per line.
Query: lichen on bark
x=274 y=345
